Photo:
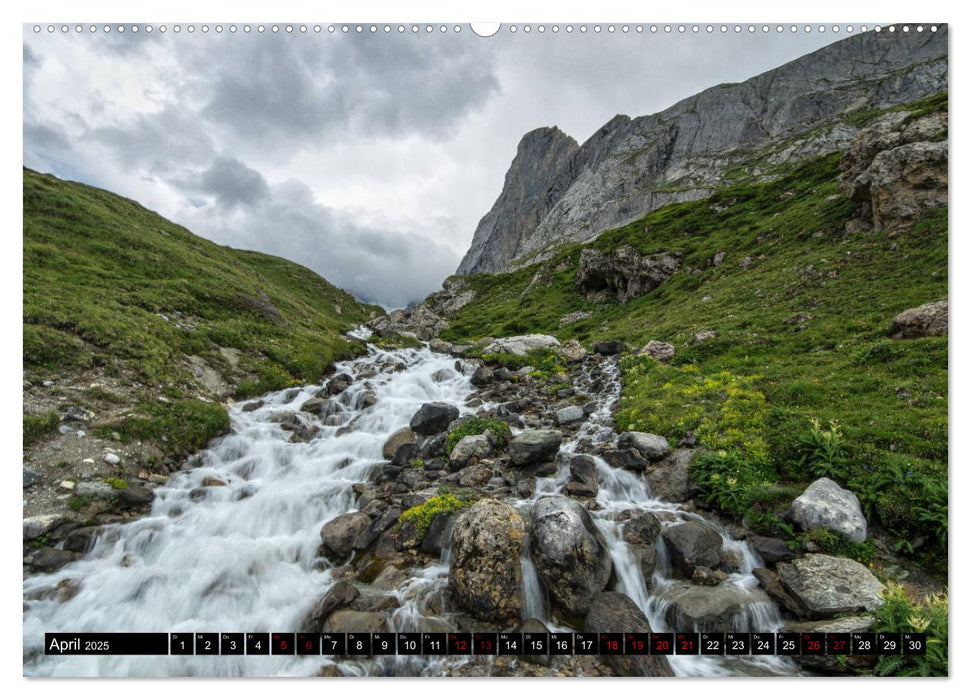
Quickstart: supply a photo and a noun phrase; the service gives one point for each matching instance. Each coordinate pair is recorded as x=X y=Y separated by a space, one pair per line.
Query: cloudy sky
x=368 y=158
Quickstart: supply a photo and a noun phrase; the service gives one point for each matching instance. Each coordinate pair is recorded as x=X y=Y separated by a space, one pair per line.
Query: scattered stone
x=574 y=317
x=625 y=459
x=707 y=608
x=440 y=346
x=397 y=439
x=652 y=447
x=612 y=611
x=49 y=559
x=824 y=504
x=922 y=321
x=30 y=477
x=702 y=336
x=93 y=489
x=670 y=479
x=571 y=351
x=692 y=544
x=771 y=549
x=660 y=351
x=338 y=535
x=76 y=414
x=569 y=414
x=469 y=447
x=608 y=348
x=521 y=344
x=213 y=482
x=433 y=418
x=67 y=485
x=485 y=574
x=826 y=586
x=534 y=446
x=38 y=525
x=570 y=554
x=253 y=405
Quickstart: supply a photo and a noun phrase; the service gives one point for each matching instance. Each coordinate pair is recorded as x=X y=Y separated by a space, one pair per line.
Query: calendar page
x=441 y=349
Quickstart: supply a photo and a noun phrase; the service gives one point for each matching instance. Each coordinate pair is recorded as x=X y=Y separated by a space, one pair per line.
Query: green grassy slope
x=114 y=288
x=802 y=335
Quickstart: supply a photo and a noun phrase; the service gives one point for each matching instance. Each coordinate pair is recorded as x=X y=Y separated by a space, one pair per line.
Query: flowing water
x=243 y=557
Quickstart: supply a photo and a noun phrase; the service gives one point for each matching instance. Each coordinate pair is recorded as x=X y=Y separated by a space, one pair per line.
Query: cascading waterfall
x=243 y=556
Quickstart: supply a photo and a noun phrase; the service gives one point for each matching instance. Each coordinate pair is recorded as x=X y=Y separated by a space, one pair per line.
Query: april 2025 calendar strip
x=485 y=643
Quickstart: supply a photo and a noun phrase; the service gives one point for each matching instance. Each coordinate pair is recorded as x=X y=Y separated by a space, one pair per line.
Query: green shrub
x=823 y=450
x=899 y=613
x=116 y=483
x=36 y=427
x=423 y=515
x=727 y=479
x=478 y=426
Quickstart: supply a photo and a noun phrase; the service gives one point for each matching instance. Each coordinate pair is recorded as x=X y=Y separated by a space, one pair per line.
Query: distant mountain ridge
x=557 y=191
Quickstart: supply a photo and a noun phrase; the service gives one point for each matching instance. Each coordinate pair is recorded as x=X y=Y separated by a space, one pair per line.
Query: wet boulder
x=470 y=447
x=569 y=414
x=569 y=552
x=826 y=586
x=710 y=609
x=339 y=384
x=628 y=458
x=534 y=446
x=397 y=439
x=825 y=504
x=338 y=535
x=693 y=544
x=355 y=621
x=82 y=539
x=482 y=376
x=376 y=527
x=49 y=559
x=405 y=454
x=433 y=418
x=340 y=595
x=612 y=611
x=771 y=549
x=485 y=575
x=650 y=446
x=583 y=477
x=670 y=479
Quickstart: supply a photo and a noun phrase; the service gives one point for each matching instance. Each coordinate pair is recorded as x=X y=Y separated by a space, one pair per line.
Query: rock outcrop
x=557 y=192
x=921 y=321
x=624 y=273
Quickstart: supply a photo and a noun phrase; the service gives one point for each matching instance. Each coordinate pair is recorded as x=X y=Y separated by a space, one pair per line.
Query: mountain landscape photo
x=483 y=355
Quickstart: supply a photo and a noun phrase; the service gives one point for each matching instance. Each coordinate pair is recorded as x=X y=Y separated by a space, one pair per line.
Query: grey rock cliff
x=557 y=192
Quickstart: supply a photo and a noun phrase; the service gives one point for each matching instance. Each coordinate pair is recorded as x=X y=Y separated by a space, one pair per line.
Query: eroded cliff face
x=558 y=192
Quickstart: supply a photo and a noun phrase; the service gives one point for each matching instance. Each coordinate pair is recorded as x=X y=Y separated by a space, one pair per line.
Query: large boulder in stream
x=338 y=535
x=404 y=436
x=693 y=544
x=485 y=576
x=612 y=611
x=534 y=446
x=650 y=446
x=570 y=554
x=826 y=586
x=433 y=418
x=825 y=504
x=712 y=609
x=670 y=479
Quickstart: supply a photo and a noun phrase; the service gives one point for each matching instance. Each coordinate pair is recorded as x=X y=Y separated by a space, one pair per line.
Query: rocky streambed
x=419 y=492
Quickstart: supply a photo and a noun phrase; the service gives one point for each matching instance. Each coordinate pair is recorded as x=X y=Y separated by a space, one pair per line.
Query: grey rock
x=438 y=534
x=583 y=469
x=93 y=489
x=469 y=447
x=625 y=273
x=76 y=414
x=693 y=544
x=612 y=611
x=574 y=317
x=534 y=446
x=485 y=573
x=338 y=535
x=922 y=321
x=707 y=608
x=769 y=580
x=396 y=440
x=569 y=552
x=653 y=447
x=405 y=453
x=642 y=530
x=825 y=504
x=625 y=459
x=49 y=559
x=433 y=418
x=826 y=586
x=660 y=351
x=571 y=351
x=374 y=530
x=343 y=621
x=608 y=347
x=569 y=414
x=556 y=192
x=82 y=539
x=771 y=549
x=340 y=595
x=38 y=525
x=30 y=477
x=522 y=344
x=251 y=406
x=135 y=496
x=670 y=479
x=482 y=376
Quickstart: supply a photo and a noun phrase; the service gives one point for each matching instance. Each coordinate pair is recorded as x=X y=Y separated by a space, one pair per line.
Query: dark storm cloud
x=230 y=182
x=328 y=87
x=392 y=268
